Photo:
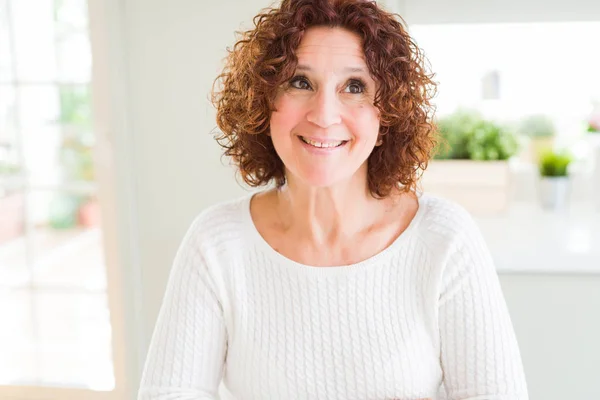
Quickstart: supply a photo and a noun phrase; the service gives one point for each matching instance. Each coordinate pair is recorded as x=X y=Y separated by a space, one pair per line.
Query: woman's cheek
x=365 y=114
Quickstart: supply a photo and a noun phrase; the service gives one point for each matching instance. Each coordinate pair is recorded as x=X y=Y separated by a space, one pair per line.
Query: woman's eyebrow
x=354 y=70
x=303 y=67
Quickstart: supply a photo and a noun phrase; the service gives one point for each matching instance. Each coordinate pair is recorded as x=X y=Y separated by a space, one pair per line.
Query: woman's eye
x=355 y=87
x=300 y=83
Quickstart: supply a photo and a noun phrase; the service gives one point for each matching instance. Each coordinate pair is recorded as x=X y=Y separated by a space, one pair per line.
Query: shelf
x=528 y=239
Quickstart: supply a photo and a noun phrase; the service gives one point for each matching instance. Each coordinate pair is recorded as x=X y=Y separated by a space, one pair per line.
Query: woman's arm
x=479 y=352
x=187 y=351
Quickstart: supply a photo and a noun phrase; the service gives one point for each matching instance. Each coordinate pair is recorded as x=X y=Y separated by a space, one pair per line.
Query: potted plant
x=554 y=179
x=540 y=131
x=593 y=123
x=471 y=164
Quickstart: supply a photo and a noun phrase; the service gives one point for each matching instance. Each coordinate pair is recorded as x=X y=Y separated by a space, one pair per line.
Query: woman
x=342 y=281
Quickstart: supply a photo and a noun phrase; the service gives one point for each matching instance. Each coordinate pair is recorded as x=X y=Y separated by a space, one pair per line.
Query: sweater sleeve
x=479 y=353
x=185 y=360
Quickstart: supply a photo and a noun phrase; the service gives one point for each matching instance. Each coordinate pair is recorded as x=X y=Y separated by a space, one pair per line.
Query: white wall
x=159 y=166
x=160 y=59
x=557 y=322
x=175 y=50
x=478 y=11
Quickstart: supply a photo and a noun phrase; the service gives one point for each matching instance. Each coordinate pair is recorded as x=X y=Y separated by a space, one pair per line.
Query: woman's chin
x=321 y=179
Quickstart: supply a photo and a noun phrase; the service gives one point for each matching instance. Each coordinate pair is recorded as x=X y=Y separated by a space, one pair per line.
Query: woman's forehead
x=331 y=45
x=335 y=40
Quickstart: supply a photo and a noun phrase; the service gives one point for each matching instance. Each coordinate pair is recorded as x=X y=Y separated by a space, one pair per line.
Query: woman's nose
x=325 y=110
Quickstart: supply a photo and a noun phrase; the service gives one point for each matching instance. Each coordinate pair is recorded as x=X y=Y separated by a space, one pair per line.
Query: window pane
x=39 y=110
x=13 y=254
x=71 y=14
x=9 y=152
x=13 y=260
x=17 y=345
x=75 y=340
x=6 y=60
x=74 y=57
x=56 y=132
x=14 y=269
x=67 y=246
x=51 y=44
x=34 y=37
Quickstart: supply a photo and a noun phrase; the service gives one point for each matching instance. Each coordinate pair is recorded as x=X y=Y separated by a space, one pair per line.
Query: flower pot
x=554 y=192
x=89 y=214
x=482 y=187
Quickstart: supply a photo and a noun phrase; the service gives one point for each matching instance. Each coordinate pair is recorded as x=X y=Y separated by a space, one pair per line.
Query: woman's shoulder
x=445 y=219
x=222 y=220
x=226 y=209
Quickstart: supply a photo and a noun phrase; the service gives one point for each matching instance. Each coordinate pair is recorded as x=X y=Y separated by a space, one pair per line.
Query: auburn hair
x=264 y=58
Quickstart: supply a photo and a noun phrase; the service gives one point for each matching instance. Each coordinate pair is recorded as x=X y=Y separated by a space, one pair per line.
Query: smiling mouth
x=323 y=145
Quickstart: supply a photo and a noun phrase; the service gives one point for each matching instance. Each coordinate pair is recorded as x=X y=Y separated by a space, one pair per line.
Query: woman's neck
x=326 y=216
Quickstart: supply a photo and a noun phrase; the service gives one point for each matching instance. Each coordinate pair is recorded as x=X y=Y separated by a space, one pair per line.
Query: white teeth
x=321 y=145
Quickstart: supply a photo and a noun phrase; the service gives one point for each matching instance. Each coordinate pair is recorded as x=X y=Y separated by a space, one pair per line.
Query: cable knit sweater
x=424 y=318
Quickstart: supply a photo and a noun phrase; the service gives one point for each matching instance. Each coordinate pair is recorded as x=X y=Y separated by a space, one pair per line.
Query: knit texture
x=424 y=318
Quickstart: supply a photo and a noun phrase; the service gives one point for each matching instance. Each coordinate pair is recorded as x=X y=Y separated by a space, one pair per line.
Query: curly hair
x=264 y=58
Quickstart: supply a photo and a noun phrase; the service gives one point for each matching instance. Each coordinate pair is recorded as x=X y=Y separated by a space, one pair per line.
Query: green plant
x=78 y=139
x=77 y=160
x=9 y=169
x=75 y=107
x=453 y=131
x=491 y=141
x=537 y=126
x=554 y=164
x=466 y=135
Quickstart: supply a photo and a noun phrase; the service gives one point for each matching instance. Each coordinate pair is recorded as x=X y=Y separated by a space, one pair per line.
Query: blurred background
x=107 y=154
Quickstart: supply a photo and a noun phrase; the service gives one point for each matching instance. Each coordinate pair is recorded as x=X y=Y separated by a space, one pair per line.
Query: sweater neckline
x=280 y=259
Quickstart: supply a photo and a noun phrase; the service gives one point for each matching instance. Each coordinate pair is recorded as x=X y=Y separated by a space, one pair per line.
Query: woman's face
x=325 y=125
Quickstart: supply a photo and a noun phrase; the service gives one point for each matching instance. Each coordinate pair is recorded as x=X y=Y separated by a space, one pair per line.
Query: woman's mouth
x=323 y=144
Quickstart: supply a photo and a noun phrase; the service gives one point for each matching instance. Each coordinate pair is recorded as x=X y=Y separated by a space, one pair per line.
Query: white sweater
x=424 y=318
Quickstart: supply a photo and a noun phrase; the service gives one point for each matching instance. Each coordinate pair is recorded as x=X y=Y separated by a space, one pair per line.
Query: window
x=511 y=70
x=53 y=300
